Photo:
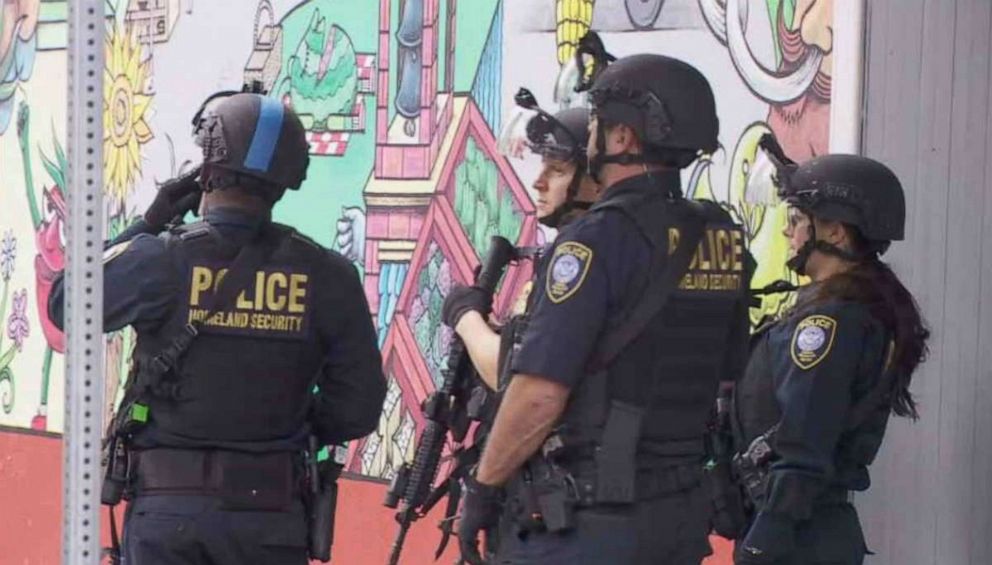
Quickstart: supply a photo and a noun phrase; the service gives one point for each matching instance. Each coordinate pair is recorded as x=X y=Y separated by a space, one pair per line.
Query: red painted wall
x=31 y=512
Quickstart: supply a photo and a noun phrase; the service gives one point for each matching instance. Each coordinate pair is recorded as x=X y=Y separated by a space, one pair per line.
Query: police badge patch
x=812 y=340
x=567 y=271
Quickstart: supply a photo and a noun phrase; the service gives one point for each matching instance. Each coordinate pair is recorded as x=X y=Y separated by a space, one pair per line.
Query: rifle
x=446 y=412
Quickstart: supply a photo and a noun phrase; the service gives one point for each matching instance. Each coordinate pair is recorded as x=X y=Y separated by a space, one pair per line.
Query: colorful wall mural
x=402 y=101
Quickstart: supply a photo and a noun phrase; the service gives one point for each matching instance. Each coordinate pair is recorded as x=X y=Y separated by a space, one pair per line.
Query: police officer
x=599 y=437
x=564 y=191
x=216 y=440
x=811 y=408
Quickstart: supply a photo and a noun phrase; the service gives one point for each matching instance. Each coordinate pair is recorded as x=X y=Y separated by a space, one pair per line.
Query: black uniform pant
x=832 y=536
x=164 y=529
x=672 y=529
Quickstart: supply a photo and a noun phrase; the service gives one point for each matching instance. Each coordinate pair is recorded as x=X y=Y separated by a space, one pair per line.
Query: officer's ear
x=833 y=232
x=621 y=138
x=627 y=139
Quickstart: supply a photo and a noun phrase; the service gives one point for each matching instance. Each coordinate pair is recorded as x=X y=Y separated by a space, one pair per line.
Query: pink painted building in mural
x=423 y=221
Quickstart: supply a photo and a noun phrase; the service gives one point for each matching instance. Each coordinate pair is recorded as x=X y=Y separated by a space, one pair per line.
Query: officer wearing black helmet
x=564 y=192
x=596 y=453
x=226 y=386
x=812 y=406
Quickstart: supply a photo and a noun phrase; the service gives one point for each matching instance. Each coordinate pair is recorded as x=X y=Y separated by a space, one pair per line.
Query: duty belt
x=220 y=472
x=648 y=484
x=833 y=496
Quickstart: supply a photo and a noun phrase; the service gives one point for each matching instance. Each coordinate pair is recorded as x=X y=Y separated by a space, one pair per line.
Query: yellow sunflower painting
x=125 y=111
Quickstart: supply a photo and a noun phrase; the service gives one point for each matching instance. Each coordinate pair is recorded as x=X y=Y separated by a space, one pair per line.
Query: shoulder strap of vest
x=662 y=282
x=242 y=271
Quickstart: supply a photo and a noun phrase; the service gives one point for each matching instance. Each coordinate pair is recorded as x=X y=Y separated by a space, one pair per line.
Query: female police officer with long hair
x=811 y=408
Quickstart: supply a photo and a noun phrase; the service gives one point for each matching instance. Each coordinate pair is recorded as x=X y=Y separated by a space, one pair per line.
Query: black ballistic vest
x=247 y=379
x=673 y=367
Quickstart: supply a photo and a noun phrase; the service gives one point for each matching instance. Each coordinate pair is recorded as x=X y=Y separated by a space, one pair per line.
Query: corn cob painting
x=572 y=21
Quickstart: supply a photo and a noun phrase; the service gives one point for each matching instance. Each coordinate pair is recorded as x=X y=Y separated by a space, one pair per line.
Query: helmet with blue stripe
x=255 y=141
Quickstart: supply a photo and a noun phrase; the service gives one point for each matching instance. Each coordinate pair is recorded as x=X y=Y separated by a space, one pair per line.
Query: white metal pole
x=84 y=373
x=847 y=85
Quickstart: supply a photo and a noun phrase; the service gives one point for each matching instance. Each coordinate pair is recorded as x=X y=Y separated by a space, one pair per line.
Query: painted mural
x=402 y=101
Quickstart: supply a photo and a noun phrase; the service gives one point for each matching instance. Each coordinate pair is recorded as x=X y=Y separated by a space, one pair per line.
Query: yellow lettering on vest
x=220 y=277
x=673 y=239
x=297 y=293
x=706 y=259
x=202 y=277
x=738 y=249
x=723 y=249
x=243 y=303
x=275 y=301
x=259 y=289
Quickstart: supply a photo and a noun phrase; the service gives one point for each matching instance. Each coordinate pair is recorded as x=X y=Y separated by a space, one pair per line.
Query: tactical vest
x=756 y=410
x=248 y=377
x=673 y=367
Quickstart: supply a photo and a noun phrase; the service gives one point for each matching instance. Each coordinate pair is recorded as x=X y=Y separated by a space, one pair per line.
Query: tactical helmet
x=563 y=137
x=851 y=189
x=667 y=102
x=255 y=136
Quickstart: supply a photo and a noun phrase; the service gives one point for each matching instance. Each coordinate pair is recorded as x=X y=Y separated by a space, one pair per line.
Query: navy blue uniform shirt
x=597 y=267
x=805 y=374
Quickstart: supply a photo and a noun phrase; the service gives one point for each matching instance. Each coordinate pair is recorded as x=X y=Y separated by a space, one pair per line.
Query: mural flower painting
x=125 y=112
x=17 y=323
x=18 y=46
x=8 y=252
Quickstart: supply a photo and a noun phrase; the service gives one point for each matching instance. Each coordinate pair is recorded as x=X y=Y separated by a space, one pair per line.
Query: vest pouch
x=255 y=481
x=616 y=465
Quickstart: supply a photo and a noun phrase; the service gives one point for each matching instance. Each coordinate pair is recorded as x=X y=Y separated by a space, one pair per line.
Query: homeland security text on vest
x=276 y=302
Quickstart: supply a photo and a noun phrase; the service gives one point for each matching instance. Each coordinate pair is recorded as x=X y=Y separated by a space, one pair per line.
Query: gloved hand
x=481 y=509
x=770 y=538
x=175 y=198
x=462 y=300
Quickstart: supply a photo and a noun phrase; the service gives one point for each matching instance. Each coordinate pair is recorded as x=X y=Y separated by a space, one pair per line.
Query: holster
x=751 y=468
x=322 y=508
x=729 y=516
x=543 y=497
x=116 y=471
x=321 y=501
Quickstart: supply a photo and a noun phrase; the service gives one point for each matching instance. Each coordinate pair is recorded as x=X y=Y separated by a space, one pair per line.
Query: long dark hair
x=873 y=283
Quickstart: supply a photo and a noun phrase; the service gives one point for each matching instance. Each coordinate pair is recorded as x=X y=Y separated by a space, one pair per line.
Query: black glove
x=770 y=538
x=462 y=300
x=175 y=198
x=481 y=509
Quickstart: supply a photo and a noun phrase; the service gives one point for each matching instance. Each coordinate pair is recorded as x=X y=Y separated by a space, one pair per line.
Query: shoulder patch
x=812 y=340
x=567 y=270
x=115 y=251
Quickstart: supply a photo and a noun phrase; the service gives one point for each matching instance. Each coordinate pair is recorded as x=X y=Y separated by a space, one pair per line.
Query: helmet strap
x=596 y=163
x=798 y=262
x=221 y=178
x=554 y=219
